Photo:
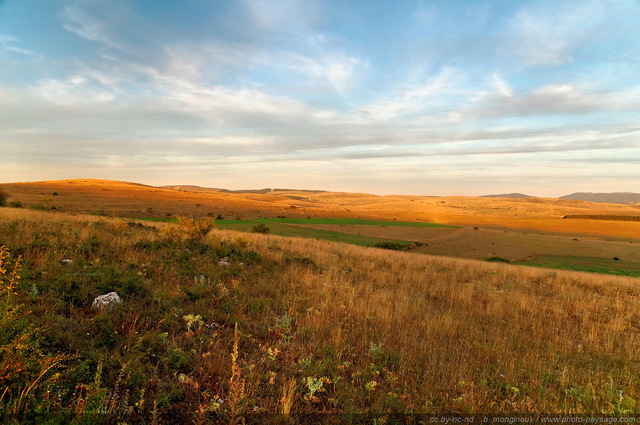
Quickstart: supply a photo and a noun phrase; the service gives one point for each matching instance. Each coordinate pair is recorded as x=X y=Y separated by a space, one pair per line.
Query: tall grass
x=321 y=328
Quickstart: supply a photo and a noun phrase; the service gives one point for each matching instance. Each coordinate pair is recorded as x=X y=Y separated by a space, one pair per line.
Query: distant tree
x=3 y=198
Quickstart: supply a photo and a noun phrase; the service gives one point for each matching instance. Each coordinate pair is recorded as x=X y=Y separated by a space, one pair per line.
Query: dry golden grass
x=470 y=336
x=333 y=328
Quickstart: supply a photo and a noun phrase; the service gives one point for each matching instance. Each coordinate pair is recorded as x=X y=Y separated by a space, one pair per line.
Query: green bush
x=260 y=228
x=496 y=259
x=3 y=197
x=390 y=245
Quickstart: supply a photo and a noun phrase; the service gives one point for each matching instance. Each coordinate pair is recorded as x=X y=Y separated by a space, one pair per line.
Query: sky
x=448 y=97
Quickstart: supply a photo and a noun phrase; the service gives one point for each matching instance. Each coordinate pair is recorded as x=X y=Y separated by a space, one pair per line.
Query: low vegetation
x=3 y=197
x=289 y=228
x=496 y=259
x=219 y=326
x=613 y=265
x=351 y=221
x=604 y=217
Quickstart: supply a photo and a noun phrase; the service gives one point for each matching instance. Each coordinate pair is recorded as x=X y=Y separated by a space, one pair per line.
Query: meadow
x=218 y=326
x=595 y=255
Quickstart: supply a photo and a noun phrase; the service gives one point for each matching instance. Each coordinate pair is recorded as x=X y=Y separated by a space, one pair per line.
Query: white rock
x=106 y=301
x=224 y=262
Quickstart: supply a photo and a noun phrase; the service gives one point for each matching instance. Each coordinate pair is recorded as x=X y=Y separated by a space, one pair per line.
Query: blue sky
x=388 y=97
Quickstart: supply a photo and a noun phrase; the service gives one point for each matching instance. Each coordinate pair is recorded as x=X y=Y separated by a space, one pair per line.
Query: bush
x=3 y=198
x=16 y=204
x=45 y=204
x=260 y=228
x=390 y=245
x=496 y=259
x=196 y=229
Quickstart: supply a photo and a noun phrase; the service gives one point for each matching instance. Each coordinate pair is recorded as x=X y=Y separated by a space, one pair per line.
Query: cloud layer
x=417 y=97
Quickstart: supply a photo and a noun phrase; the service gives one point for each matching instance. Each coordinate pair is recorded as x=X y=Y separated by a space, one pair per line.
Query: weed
x=236 y=394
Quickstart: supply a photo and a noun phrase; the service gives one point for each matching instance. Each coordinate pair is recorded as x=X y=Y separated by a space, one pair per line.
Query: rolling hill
x=508 y=195
x=610 y=198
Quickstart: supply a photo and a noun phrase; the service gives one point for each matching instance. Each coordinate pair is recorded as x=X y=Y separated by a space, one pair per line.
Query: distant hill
x=609 y=198
x=192 y=188
x=508 y=195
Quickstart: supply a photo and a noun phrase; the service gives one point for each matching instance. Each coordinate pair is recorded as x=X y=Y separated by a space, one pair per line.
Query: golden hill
x=137 y=200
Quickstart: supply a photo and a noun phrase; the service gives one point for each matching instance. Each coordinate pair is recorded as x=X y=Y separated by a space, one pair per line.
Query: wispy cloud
x=88 y=26
x=501 y=86
x=556 y=99
x=11 y=45
x=415 y=98
x=545 y=34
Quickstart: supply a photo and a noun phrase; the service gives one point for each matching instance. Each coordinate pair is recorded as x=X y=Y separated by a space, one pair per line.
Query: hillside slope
x=321 y=328
x=611 y=198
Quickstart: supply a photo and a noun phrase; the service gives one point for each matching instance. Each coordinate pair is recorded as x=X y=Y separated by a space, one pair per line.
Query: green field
x=282 y=229
x=585 y=264
x=296 y=227
x=349 y=221
x=288 y=227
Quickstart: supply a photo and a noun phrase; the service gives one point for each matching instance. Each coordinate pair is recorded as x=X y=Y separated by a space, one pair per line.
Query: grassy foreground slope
x=322 y=328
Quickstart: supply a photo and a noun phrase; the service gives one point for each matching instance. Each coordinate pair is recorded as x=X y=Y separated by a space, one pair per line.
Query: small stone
x=224 y=262
x=67 y=261
x=106 y=301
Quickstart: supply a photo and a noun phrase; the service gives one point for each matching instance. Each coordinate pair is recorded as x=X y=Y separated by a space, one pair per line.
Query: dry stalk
x=288 y=395
x=236 y=384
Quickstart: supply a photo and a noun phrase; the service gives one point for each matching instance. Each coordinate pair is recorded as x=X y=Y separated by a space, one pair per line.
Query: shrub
x=16 y=204
x=389 y=245
x=196 y=229
x=260 y=228
x=3 y=198
x=45 y=204
x=496 y=259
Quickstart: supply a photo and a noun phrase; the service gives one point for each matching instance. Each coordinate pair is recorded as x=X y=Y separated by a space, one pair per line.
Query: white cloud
x=74 y=90
x=501 y=86
x=252 y=141
x=336 y=69
x=547 y=33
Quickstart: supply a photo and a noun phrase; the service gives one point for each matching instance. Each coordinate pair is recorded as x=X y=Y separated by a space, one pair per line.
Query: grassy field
x=281 y=229
x=585 y=264
x=350 y=222
x=524 y=248
x=322 y=328
x=287 y=227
